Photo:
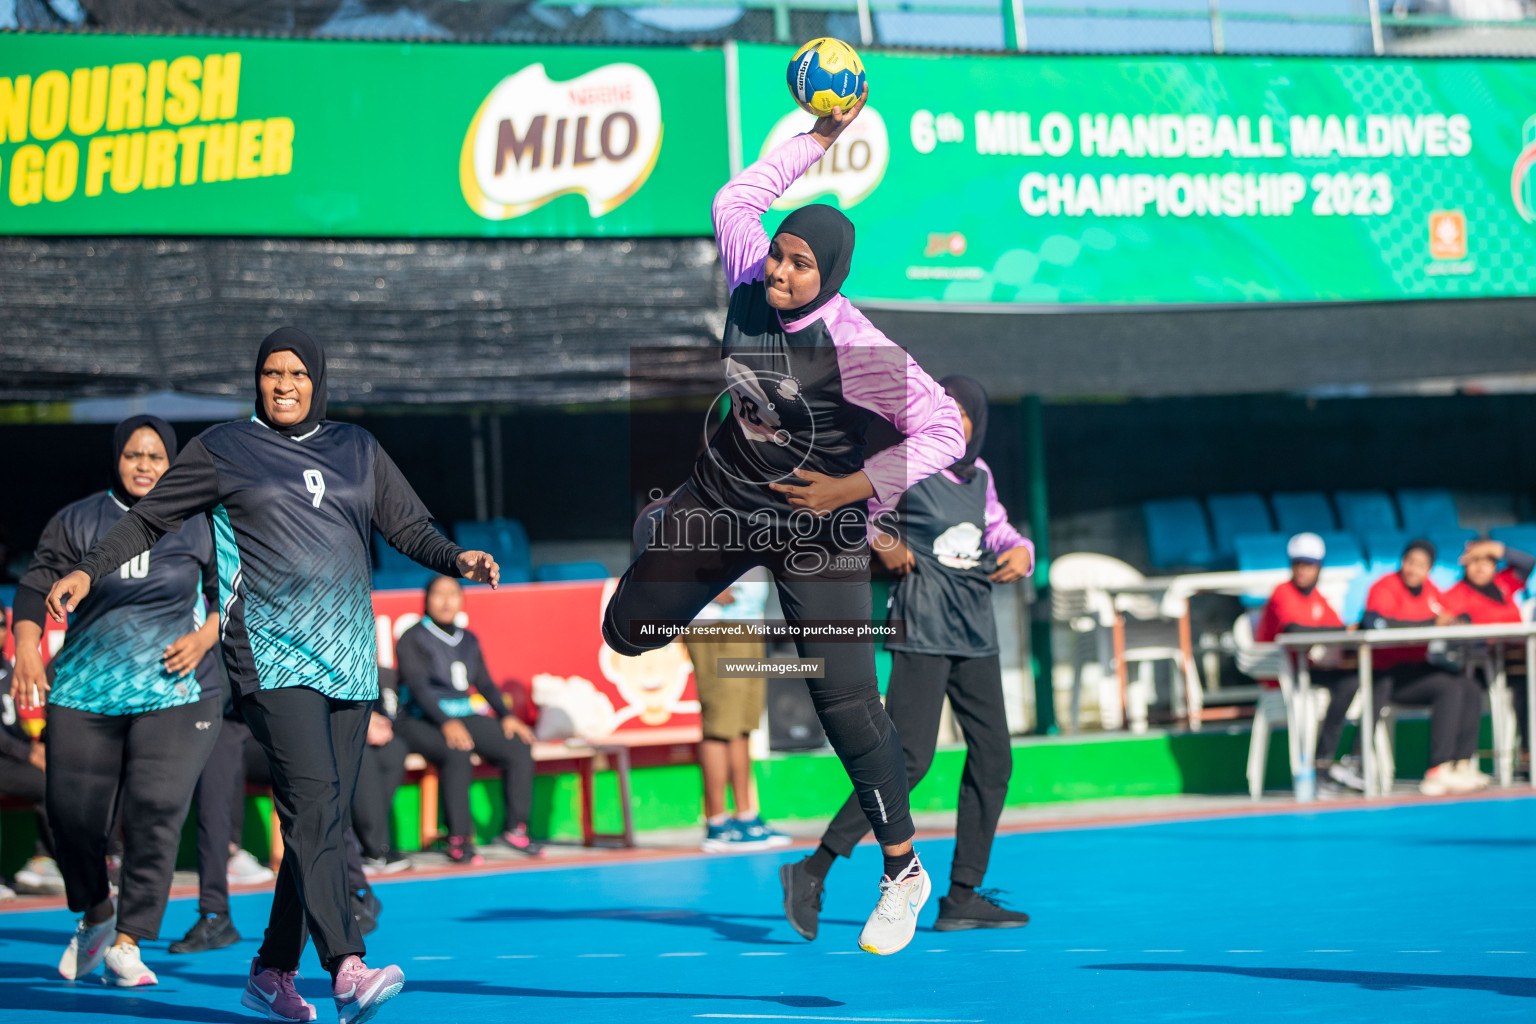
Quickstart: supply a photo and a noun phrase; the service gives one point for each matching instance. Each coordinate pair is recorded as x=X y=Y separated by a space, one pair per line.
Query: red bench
x=586 y=758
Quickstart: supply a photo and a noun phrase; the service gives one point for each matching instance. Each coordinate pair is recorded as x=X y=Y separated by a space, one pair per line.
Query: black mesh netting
x=503 y=321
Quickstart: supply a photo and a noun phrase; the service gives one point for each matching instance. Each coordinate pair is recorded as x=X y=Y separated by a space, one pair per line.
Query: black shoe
x=982 y=910
x=212 y=931
x=366 y=908
x=802 y=897
x=517 y=841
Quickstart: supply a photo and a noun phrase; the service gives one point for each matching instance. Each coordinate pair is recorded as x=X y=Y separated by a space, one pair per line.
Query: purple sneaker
x=271 y=994
x=359 y=990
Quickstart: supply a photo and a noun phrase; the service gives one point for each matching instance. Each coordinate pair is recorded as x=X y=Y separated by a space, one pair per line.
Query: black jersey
x=291 y=521
x=112 y=659
x=955 y=530
x=441 y=673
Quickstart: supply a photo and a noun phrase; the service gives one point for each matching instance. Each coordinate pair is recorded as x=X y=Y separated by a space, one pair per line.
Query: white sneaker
x=894 y=921
x=125 y=969
x=1473 y=777
x=1346 y=776
x=6 y=892
x=1443 y=779
x=87 y=949
x=40 y=877
x=245 y=869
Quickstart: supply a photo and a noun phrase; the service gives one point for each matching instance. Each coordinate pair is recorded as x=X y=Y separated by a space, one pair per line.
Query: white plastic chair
x=1085 y=582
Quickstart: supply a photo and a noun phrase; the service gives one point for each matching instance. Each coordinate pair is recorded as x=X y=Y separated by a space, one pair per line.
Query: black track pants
x=915 y=700
x=220 y=804
x=820 y=577
x=314 y=746
x=24 y=781
x=512 y=756
x=1455 y=707
x=381 y=774
x=147 y=763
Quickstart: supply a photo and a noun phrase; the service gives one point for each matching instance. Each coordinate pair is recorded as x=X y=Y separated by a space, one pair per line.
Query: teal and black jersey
x=441 y=671
x=111 y=662
x=291 y=521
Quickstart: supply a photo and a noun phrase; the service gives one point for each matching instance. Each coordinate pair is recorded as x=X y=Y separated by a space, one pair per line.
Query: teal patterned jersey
x=111 y=660
x=292 y=519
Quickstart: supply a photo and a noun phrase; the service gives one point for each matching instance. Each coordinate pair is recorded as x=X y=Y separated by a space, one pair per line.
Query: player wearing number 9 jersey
x=292 y=497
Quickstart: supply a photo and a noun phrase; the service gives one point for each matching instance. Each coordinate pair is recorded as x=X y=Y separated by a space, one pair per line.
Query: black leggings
x=220 y=806
x=1342 y=685
x=915 y=700
x=820 y=576
x=372 y=804
x=25 y=781
x=148 y=763
x=512 y=756
x=1455 y=707
x=314 y=745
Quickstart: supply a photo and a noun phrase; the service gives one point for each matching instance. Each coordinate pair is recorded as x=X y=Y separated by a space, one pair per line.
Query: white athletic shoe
x=6 y=892
x=1443 y=779
x=125 y=969
x=1346 y=776
x=894 y=921
x=245 y=869
x=1471 y=775
x=87 y=949
x=40 y=877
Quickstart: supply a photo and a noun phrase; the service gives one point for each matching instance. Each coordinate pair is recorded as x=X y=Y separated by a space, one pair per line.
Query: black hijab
x=120 y=435
x=973 y=399
x=291 y=339
x=830 y=236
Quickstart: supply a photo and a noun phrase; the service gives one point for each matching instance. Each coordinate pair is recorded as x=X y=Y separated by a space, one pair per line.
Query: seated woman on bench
x=450 y=709
x=1486 y=594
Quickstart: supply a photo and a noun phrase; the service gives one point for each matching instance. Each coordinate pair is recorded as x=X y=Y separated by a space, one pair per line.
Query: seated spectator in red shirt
x=1486 y=594
x=1295 y=607
x=1408 y=598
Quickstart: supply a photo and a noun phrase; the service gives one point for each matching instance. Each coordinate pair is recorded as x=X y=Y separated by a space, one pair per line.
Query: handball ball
x=826 y=73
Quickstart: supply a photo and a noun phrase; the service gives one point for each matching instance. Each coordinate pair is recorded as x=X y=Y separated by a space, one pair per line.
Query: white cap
x=1306 y=547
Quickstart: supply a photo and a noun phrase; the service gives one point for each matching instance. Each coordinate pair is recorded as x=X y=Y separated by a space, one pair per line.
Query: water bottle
x=1306 y=784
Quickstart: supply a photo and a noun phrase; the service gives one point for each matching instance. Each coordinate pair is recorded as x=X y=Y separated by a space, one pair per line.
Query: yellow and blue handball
x=826 y=73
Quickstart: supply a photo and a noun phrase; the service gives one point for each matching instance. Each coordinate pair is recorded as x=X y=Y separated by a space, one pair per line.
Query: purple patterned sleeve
x=739 y=206
x=878 y=375
x=1000 y=536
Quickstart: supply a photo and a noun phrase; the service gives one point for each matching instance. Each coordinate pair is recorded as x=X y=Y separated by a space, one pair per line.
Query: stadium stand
x=1427 y=511
x=1362 y=512
x=1177 y=535
x=1303 y=512
x=505 y=539
x=564 y=572
x=1234 y=514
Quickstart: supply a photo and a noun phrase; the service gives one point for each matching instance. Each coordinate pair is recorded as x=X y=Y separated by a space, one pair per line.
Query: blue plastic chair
x=1427 y=511
x=414 y=578
x=1260 y=551
x=559 y=572
x=1449 y=544
x=1303 y=512
x=387 y=559
x=1364 y=512
x=507 y=542
x=1342 y=551
x=1234 y=514
x=1177 y=536
x=1384 y=550
x=1521 y=536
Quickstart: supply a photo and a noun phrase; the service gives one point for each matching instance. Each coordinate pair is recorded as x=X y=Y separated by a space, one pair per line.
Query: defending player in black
x=292 y=497
x=956 y=543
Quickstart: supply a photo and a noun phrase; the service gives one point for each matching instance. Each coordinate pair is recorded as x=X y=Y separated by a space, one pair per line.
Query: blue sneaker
x=722 y=837
x=759 y=831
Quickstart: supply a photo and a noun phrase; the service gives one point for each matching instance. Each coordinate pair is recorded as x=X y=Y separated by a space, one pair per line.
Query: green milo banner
x=1076 y=180
x=200 y=135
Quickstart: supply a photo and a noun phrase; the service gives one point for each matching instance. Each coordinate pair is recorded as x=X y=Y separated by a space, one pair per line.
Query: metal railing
x=1215 y=15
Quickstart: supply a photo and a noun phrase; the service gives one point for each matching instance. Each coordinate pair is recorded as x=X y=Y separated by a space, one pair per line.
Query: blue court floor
x=1424 y=912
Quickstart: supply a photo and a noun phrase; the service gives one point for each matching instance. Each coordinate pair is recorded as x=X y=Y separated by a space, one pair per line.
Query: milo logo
x=534 y=139
x=852 y=167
